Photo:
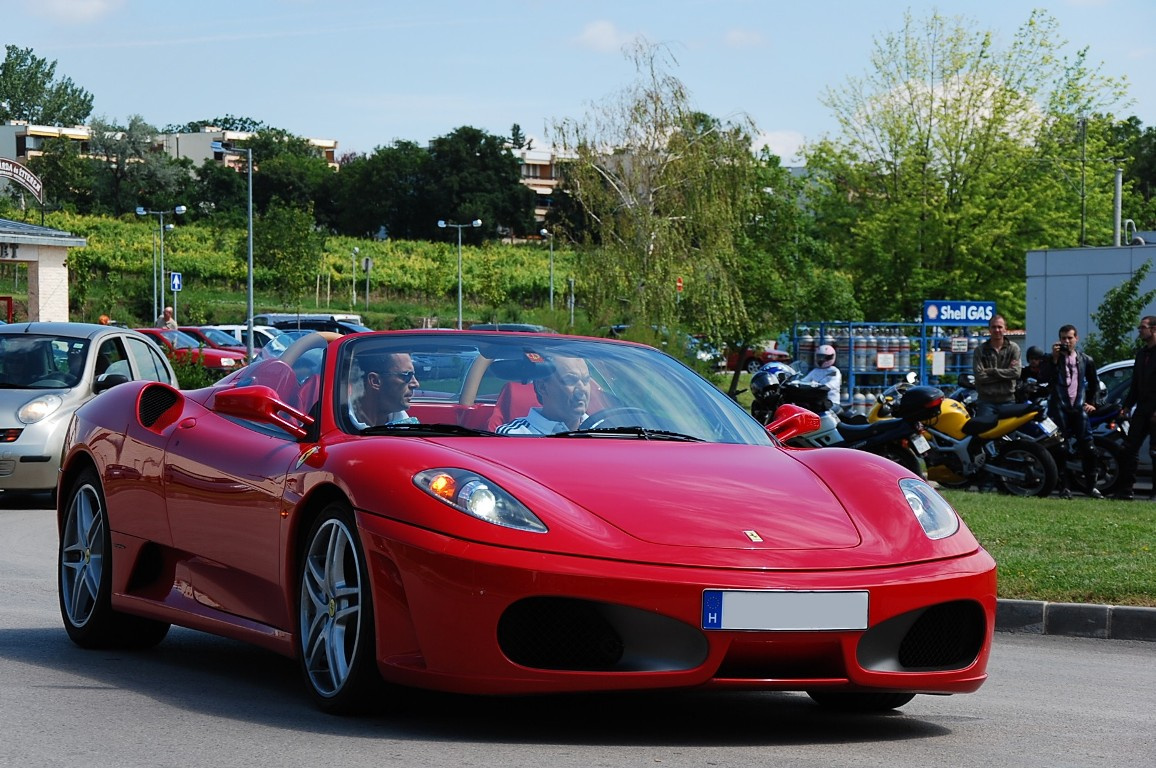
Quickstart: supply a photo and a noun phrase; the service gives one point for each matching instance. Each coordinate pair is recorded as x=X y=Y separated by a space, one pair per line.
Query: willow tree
x=658 y=192
x=955 y=156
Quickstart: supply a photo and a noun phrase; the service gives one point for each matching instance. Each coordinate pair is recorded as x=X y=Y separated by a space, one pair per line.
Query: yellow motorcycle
x=967 y=451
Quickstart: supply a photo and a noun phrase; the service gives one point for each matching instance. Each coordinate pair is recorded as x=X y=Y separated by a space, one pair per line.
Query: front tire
x=85 y=576
x=335 y=635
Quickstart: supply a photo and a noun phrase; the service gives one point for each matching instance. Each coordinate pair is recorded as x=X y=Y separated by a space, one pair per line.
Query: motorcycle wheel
x=904 y=457
x=1109 y=457
x=1037 y=465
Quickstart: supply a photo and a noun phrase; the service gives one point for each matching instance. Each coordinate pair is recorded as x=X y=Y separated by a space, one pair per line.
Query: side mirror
x=792 y=420
x=967 y=380
x=260 y=403
x=108 y=381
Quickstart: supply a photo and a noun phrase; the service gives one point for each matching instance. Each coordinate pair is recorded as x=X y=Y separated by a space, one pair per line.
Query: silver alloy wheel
x=82 y=555
x=331 y=601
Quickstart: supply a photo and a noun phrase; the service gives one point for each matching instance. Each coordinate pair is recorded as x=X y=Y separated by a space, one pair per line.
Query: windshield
x=41 y=362
x=219 y=337
x=529 y=386
x=181 y=340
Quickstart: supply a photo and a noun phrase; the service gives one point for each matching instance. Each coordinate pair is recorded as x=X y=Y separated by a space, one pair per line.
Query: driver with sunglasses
x=387 y=387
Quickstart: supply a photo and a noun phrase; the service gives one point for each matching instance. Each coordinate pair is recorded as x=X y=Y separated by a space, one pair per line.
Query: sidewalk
x=1110 y=622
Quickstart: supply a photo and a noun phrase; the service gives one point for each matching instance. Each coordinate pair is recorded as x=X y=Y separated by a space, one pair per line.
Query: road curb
x=1106 y=622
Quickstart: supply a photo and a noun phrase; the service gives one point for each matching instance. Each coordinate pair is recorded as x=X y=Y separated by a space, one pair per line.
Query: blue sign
x=174 y=281
x=958 y=312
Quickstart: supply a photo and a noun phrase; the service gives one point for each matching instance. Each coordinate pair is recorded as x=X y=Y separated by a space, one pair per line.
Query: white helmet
x=825 y=356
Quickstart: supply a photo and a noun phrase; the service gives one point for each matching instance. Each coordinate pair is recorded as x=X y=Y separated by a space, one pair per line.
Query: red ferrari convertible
x=505 y=513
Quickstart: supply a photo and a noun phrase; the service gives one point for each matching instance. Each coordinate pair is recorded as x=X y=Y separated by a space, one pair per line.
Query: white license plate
x=1048 y=424
x=783 y=611
x=919 y=442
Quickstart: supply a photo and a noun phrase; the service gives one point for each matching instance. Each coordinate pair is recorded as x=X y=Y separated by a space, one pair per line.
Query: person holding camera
x=1074 y=388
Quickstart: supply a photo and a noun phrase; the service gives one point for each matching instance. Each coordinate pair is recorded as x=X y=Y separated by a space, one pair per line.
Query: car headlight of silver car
x=40 y=408
x=473 y=494
x=934 y=514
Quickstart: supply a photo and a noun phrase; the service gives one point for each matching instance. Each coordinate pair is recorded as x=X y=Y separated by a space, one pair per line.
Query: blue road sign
x=174 y=281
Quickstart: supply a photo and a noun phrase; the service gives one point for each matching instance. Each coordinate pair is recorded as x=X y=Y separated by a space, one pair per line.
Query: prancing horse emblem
x=753 y=536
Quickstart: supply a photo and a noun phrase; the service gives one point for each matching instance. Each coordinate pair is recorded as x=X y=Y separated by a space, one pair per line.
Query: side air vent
x=154 y=401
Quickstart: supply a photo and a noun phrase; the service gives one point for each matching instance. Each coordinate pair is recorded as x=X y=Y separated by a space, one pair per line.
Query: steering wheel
x=54 y=381
x=621 y=416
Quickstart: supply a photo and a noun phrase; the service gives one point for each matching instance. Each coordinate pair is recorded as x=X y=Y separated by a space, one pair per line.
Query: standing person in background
x=1142 y=397
x=997 y=371
x=1035 y=357
x=167 y=320
x=1074 y=388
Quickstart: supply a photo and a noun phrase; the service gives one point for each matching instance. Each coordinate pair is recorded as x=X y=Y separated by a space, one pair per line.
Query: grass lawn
x=1077 y=551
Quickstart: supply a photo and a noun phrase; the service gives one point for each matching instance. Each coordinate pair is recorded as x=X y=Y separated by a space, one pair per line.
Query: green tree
x=287 y=252
x=381 y=189
x=1139 y=172
x=30 y=90
x=473 y=175
x=955 y=156
x=67 y=176
x=668 y=201
x=129 y=170
x=1116 y=319
x=226 y=123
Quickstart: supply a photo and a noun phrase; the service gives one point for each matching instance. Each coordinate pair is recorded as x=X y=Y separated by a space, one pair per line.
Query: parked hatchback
x=47 y=371
x=184 y=347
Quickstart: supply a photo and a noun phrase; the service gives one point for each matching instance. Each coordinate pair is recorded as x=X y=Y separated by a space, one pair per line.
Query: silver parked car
x=1117 y=377
x=47 y=370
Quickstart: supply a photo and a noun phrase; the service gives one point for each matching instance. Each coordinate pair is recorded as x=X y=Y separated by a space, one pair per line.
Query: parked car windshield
x=41 y=361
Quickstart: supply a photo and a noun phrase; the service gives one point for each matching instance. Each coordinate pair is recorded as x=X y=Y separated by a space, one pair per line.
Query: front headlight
x=473 y=494
x=934 y=514
x=228 y=362
x=35 y=410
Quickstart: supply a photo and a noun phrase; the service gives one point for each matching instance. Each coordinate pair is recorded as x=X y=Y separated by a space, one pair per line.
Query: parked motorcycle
x=967 y=451
x=898 y=437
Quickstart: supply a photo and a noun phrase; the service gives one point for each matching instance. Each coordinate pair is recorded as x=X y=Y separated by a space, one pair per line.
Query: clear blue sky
x=369 y=72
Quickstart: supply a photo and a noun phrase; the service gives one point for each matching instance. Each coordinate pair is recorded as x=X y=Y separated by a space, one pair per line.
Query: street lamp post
x=353 y=278
x=220 y=146
x=142 y=211
x=459 y=227
x=550 y=236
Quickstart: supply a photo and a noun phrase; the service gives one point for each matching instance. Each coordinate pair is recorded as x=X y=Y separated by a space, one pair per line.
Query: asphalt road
x=197 y=700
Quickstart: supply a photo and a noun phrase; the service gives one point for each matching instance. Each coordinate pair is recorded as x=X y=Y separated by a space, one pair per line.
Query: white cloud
x=603 y=36
x=742 y=38
x=785 y=144
x=76 y=11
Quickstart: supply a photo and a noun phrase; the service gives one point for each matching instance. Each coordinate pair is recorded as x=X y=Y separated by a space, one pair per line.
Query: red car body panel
x=207 y=356
x=213 y=511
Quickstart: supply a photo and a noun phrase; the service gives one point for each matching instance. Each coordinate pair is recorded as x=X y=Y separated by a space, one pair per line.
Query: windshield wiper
x=425 y=430
x=631 y=431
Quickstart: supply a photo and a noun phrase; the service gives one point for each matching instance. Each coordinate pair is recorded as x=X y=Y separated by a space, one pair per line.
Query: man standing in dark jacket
x=1142 y=395
x=1074 y=389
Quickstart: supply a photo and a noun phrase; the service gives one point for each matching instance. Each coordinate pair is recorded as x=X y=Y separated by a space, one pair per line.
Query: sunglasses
x=406 y=376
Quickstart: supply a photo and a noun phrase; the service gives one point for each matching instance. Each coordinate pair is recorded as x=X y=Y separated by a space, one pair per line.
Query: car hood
x=736 y=497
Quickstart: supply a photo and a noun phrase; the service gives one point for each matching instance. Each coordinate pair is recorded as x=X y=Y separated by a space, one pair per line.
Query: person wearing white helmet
x=827 y=374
